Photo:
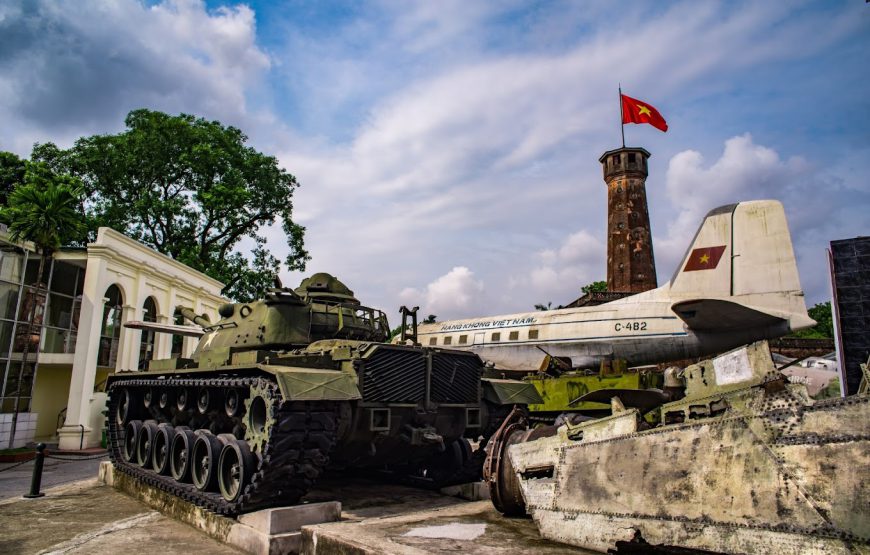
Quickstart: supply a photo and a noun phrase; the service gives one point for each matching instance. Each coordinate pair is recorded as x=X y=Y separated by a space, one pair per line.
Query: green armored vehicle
x=280 y=389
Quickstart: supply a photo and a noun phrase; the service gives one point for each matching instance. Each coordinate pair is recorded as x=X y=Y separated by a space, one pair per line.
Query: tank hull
x=350 y=405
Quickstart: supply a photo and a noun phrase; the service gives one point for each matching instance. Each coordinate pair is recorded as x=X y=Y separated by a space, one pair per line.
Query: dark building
x=630 y=263
x=851 y=266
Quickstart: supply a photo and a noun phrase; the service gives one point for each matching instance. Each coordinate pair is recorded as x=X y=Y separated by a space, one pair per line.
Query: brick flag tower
x=631 y=266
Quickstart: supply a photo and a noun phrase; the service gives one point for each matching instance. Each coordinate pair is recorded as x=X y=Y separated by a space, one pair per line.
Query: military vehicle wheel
x=165 y=399
x=179 y=454
x=260 y=409
x=204 y=460
x=204 y=400
x=144 y=443
x=440 y=468
x=236 y=466
x=160 y=448
x=131 y=435
x=181 y=399
x=148 y=397
x=126 y=406
x=504 y=487
x=232 y=402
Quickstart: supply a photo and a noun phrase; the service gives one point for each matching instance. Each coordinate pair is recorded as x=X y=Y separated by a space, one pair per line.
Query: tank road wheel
x=182 y=398
x=205 y=399
x=127 y=409
x=148 y=398
x=131 y=437
x=164 y=398
x=204 y=460
x=260 y=410
x=179 y=454
x=232 y=402
x=160 y=448
x=442 y=467
x=235 y=468
x=144 y=443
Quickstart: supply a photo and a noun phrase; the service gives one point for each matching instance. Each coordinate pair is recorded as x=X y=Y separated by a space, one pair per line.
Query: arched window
x=110 y=331
x=146 y=346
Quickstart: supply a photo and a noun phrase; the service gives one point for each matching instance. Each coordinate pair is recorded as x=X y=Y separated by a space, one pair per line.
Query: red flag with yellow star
x=705 y=258
x=637 y=111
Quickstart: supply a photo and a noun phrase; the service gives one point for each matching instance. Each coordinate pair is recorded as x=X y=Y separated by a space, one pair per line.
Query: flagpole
x=621 y=116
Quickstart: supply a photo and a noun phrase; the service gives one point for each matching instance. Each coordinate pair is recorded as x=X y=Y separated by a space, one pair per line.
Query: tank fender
x=307 y=384
x=510 y=392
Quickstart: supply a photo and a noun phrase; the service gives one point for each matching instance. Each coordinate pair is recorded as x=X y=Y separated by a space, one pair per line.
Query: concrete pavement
x=83 y=517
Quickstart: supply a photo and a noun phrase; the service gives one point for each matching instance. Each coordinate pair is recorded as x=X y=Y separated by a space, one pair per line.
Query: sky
x=448 y=151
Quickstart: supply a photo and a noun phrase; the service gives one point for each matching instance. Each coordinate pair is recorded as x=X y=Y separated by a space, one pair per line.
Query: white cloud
x=559 y=274
x=74 y=68
x=463 y=135
x=456 y=294
x=744 y=171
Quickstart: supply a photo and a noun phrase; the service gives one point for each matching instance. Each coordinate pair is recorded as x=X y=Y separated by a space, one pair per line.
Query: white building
x=91 y=293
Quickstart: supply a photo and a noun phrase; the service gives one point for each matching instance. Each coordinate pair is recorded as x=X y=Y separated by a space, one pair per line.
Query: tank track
x=295 y=454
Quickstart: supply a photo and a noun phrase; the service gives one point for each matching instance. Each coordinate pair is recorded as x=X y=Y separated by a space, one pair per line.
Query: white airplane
x=737 y=283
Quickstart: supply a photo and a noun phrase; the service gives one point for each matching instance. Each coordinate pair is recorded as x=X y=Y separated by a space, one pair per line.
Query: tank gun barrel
x=192 y=316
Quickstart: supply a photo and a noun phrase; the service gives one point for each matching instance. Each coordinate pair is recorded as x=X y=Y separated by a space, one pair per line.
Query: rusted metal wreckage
x=741 y=461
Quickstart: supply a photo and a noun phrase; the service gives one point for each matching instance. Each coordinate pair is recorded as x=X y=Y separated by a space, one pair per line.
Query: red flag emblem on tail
x=705 y=258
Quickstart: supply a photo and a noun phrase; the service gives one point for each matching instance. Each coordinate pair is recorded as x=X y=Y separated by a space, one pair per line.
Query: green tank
x=281 y=389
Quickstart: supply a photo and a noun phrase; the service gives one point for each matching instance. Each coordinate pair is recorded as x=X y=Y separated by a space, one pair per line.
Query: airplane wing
x=720 y=315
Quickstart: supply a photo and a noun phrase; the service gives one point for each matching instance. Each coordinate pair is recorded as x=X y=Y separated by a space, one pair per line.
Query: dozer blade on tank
x=280 y=389
x=745 y=462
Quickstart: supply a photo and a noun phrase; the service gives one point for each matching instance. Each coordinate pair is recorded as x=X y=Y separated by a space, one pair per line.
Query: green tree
x=191 y=189
x=12 y=170
x=547 y=306
x=431 y=319
x=824 y=327
x=45 y=210
x=595 y=287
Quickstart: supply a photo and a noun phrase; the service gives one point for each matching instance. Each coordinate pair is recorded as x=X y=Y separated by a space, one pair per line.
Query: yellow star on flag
x=643 y=110
x=704 y=258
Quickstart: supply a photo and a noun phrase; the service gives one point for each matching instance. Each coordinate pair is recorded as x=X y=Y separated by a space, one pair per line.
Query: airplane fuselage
x=737 y=283
x=640 y=331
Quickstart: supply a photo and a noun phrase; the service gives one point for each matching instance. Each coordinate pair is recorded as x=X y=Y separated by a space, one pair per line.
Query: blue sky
x=448 y=150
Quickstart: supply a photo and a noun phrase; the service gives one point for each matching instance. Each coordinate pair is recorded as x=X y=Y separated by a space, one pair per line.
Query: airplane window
x=433 y=340
x=514 y=335
x=533 y=334
x=448 y=340
x=463 y=339
x=496 y=336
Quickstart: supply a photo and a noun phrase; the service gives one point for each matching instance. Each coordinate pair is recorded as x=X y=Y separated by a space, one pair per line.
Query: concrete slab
x=267 y=532
x=85 y=517
x=468 y=527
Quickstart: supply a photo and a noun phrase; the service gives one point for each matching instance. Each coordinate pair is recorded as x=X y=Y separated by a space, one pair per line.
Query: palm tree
x=46 y=210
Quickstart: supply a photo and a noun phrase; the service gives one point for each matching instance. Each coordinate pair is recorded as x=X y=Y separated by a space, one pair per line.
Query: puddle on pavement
x=453 y=531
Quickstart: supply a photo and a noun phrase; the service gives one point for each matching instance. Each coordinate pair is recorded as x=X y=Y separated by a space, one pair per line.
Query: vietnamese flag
x=636 y=111
x=705 y=258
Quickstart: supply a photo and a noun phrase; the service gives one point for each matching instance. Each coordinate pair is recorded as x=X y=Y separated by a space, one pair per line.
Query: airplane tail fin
x=740 y=267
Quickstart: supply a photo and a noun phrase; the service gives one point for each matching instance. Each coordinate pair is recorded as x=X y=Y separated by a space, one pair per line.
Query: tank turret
x=322 y=307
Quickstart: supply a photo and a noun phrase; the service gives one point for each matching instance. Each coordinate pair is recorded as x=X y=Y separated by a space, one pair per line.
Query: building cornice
x=105 y=236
